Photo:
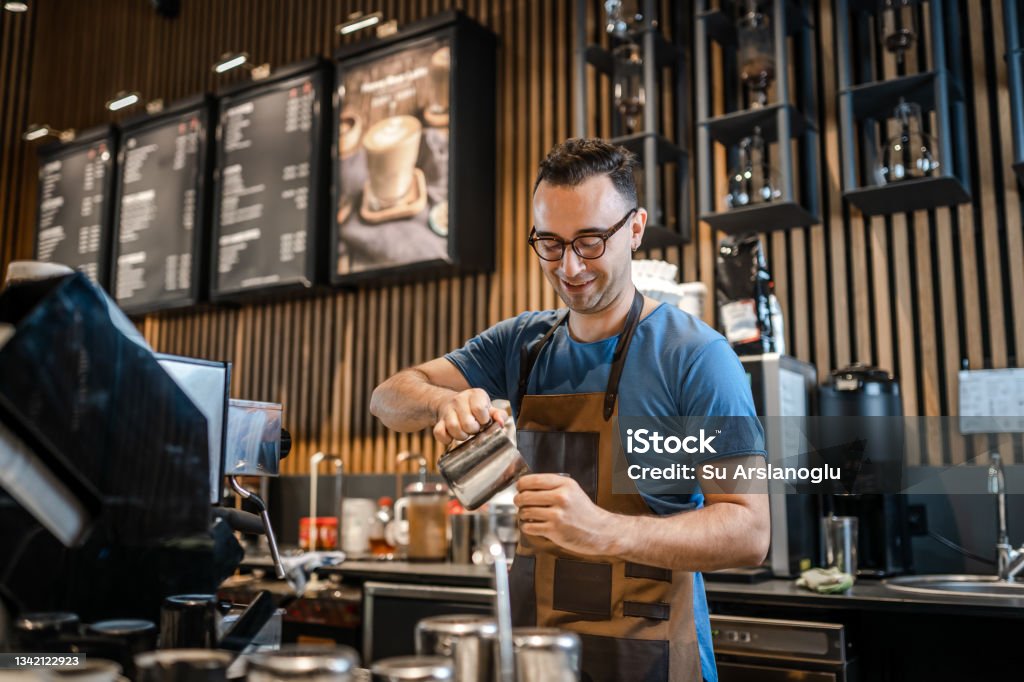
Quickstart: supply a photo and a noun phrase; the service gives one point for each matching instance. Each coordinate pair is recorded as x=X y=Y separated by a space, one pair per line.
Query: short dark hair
x=577 y=159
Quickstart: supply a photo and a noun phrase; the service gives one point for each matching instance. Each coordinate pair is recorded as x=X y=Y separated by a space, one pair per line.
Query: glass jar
x=756 y=54
x=753 y=180
x=425 y=531
x=628 y=86
x=909 y=154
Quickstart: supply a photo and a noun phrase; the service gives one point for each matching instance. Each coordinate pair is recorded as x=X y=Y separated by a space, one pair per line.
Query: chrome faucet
x=1009 y=561
x=421 y=472
x=314 y=472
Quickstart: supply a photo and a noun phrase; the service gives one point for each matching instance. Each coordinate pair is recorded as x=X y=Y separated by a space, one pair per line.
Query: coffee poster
x=392 y=143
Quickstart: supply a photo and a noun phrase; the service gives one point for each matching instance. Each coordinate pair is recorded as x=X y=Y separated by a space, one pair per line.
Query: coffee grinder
x=867 y=400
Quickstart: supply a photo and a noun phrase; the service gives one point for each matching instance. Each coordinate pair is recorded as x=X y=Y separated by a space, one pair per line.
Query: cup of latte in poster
x=393 y=138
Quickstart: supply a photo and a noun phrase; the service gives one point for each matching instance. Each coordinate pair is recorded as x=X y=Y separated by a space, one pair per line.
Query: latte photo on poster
x=392 y=155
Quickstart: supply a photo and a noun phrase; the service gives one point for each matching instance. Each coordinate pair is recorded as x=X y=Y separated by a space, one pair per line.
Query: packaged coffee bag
x=748 y=313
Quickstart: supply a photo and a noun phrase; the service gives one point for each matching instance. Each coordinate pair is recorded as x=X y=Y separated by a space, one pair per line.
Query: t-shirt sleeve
x=717 y=386
x=483 y=361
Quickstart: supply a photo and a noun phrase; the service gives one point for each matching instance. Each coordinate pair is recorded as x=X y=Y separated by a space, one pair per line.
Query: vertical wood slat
x=908 y=310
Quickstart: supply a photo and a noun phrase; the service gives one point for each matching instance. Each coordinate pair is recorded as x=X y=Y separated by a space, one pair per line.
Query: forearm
x=408 y=401
x=723 y=535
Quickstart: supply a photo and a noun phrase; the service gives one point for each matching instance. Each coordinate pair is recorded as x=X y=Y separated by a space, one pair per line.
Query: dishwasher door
x=392 y=610
x=749 y=649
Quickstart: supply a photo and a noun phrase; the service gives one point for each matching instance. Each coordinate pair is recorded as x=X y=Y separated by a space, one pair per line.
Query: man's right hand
x=465 y=413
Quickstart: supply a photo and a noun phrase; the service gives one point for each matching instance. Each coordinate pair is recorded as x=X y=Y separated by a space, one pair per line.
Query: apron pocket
x=654 y=610
x=563 y=452
x=583 y=587
x=648 y=572
x=612 y=659
x=521 y=585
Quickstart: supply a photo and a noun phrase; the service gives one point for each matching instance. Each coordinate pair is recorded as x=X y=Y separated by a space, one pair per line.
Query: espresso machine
x=861 y=404
x=112 y=458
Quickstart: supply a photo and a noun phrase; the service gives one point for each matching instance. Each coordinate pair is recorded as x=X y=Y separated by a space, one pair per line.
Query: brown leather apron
x=635 y=621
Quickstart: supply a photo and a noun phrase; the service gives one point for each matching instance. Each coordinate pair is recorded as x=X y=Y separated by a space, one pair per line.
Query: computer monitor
x=207 y=383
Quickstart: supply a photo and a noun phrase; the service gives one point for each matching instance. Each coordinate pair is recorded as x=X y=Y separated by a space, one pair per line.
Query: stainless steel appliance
x=392 y=610
x=783 y=386
x=768 y=650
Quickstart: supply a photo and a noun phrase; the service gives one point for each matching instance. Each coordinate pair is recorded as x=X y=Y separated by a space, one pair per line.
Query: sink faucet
x=1009 y=561
x=314 y=467
x=492 y=553
x=422 y=472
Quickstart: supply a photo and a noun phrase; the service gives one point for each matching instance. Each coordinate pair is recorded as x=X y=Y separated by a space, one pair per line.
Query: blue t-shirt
x=676 y=366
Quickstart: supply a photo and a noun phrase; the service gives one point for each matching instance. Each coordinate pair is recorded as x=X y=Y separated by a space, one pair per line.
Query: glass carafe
x=754 y=180
x=628 y=86
x=622 y=17
x=756 y=54
x=910 y=153
x=896 y=37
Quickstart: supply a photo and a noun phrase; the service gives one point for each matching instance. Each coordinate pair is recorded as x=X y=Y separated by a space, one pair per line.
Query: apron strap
x=611 y=394
x=528 y=355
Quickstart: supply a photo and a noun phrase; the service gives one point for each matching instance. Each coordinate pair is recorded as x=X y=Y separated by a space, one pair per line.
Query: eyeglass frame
x=603 y=236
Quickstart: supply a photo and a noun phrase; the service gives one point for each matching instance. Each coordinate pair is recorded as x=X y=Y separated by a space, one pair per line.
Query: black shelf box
x=909 y=195
x=768 y=217
x=731 y=128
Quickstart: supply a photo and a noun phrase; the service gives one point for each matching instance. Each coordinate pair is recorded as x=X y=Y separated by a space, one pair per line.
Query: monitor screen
x=207 y=383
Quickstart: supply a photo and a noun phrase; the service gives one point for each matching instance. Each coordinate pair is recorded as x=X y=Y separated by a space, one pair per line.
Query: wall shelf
x=652 y=145
x=787 y=122
x=866 y=106
x=730 y=128
x=777 y=215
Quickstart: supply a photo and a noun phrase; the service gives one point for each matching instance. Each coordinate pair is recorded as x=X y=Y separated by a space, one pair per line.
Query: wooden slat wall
x=913 y=293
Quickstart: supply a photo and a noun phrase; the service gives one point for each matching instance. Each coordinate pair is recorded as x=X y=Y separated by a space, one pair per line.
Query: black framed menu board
x=413 y=158
x=73 y=207
x=160 y=208
x=268 y=203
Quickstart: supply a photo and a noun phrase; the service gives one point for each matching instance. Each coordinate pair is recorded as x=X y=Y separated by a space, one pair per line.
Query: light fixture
x=229 y=61
x=40 y=131
x=123 y=100
x=357 y=21
x=17 y=7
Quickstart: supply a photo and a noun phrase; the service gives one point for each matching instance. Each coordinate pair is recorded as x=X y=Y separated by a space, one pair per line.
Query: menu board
x=159 y=212
x=72 y=225
x=265 y=210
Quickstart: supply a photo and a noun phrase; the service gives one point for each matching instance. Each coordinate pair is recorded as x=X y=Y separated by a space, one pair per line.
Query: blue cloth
x=676 y=366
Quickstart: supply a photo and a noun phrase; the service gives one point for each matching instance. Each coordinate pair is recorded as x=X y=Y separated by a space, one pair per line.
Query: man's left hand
x=556 y=508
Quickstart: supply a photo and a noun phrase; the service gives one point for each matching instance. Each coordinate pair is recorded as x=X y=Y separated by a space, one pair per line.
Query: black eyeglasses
x=587 y=246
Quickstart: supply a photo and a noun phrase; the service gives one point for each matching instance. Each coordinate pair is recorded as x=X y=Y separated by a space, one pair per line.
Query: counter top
x=419 y=572
x=434 y=573
x=864 y=595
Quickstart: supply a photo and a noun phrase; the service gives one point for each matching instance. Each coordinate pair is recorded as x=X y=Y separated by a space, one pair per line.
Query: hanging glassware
x=628 y=86
x=909 y=153
x=754 y=180
x=756 y=54
x=896 y=37
x=624 y=16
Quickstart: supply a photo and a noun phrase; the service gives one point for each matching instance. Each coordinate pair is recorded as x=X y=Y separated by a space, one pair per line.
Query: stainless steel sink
x=967 y=585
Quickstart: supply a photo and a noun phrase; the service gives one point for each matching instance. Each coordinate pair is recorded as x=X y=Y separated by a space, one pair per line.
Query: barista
x=622 y=570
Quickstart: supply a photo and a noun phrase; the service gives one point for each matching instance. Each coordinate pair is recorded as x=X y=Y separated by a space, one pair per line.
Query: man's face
x=587 y=285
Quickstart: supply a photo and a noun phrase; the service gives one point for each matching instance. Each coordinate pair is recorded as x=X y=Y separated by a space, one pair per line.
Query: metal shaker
x=546 y=655
x=183 y=665
x=189 y=621
x=413 y=669
x=466 y=639
x=303 y=662
x=479 y=468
